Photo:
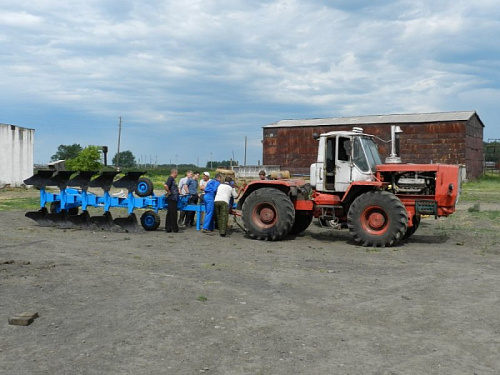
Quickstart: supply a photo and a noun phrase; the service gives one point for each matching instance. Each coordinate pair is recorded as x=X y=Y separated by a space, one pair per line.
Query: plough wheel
x=144 y=187
x=150 y=220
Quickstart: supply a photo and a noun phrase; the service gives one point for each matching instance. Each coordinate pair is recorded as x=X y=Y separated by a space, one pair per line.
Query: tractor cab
x=344 y=157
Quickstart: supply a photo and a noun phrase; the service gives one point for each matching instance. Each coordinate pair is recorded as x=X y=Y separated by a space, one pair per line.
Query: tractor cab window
x=344 y=149
x=359 y=157
x=372 y=154
x=366 y=155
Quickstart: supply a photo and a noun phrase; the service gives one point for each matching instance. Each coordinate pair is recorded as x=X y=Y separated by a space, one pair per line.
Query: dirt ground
x=191 y=303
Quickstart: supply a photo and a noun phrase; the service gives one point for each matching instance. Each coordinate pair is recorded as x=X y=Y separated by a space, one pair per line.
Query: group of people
x=217 y=197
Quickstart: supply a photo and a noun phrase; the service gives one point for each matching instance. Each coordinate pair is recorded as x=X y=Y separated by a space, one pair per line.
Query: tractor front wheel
x=268 y=214
x=377 y=218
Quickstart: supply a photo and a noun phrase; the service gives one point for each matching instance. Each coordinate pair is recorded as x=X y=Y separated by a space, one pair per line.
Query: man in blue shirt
x=192 y=185
x=210 y=191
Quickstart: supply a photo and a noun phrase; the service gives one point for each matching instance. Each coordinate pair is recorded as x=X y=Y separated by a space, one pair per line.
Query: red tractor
x=350 y=187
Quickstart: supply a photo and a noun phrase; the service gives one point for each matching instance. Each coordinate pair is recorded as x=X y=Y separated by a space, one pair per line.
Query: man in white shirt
x=204 y=181
x=224 y=194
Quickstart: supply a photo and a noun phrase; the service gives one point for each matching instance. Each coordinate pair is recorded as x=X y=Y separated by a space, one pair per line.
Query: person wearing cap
x=204 y=181
x=224 y=194
x=202 y=184
x=209 y=197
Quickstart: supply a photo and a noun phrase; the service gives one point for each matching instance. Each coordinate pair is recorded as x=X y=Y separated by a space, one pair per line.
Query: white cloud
x=238 y=65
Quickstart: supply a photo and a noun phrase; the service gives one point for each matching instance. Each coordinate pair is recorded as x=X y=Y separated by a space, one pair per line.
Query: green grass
x=159 y=178
x=485 y=189
x=18 y=199
x=488 y=215
x=27 y=203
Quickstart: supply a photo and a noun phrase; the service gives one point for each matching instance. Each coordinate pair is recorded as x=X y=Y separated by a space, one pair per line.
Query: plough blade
x=81 y=220
x=60 y=179
x=104 y=180
x=103 y=222
x=82 y=179
x=38 y=216
x=40 y=179
x=58 y=219
x=128 y=223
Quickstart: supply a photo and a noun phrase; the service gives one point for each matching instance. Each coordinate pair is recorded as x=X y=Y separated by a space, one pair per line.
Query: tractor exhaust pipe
x=394 y=158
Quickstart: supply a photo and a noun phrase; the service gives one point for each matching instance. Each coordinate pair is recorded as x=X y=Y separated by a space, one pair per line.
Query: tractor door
x=331 y=146
x=343 y=164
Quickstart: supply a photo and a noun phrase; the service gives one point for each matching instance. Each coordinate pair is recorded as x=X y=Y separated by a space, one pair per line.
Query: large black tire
x=150 y=220
x=411 y=230
x=377 y=218
x=268 y=214
x=144 y=187
x=302 y=220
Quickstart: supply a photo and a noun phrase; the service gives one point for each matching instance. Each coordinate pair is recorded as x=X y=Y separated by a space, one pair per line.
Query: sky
x=192 y=80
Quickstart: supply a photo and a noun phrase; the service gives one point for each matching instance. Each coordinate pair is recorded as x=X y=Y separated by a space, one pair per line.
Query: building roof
x=380 y=119
x=19 y=127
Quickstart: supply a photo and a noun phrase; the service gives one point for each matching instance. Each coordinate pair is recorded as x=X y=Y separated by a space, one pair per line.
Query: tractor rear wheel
x=268 y=214
x=377 y=218
x=302 y=221
x=150 y=220
x=144 y=187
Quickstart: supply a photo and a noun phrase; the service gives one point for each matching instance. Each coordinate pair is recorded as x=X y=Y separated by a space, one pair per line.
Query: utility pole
x=119 y=137
x=245 y=159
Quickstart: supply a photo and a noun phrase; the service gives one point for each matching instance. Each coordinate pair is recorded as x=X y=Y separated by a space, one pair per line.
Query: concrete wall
x=16 y=154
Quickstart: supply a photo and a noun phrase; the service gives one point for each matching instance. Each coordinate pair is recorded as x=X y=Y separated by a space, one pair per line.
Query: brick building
x=444 y=137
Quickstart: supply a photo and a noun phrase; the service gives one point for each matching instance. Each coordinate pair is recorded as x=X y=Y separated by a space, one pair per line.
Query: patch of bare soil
x=191 y=303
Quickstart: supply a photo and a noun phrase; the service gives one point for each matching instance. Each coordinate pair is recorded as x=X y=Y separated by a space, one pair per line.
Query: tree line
x=90 y=158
